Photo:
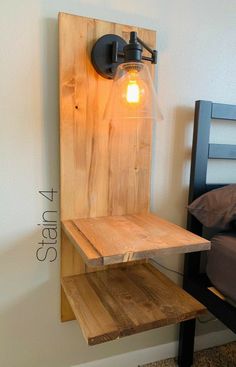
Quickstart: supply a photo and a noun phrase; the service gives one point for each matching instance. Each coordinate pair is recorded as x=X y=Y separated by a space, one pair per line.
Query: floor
x=222 y=356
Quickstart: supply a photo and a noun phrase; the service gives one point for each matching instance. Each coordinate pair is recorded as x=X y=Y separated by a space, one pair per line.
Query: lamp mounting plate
x=107 y=53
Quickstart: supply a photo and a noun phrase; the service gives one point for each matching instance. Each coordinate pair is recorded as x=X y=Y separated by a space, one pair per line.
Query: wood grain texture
x=118 y=302
x=116 y=239
x=217 y=293
x=71 y=263
x=104 y=166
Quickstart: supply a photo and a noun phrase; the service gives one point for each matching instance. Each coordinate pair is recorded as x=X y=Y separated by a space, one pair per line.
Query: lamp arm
x=153 y=58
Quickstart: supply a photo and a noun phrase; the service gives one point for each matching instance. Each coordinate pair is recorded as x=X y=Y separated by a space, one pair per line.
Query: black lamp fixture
x=132 y=94
x=111 y=50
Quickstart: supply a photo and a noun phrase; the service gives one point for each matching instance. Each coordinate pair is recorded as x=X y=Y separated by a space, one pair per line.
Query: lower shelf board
x=113 y=303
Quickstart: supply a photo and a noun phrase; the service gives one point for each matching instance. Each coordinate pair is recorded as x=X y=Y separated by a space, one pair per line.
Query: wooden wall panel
x=105 y=167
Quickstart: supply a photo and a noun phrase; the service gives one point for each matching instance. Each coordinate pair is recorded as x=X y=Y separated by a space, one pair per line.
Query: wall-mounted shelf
x=105 y=181
x=116 y=239
x=123 y=301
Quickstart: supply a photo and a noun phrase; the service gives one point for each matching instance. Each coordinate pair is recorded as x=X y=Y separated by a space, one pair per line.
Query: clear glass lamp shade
x=132 y=95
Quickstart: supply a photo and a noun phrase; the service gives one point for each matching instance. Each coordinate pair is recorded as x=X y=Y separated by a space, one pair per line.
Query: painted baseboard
x=159 y=352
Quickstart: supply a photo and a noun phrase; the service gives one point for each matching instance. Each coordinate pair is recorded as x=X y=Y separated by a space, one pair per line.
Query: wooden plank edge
x=101 y=338
x=84 y=246
x=67 y=227
x=62 y=14
x=66 y=308
x=98 y=339
x=145 y=255
x=217 y=293
x=139 y=329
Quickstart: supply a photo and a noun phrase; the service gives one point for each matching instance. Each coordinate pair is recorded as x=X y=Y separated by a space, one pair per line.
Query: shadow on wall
x=30 y=310
x=180 y=170
x=178 y=184
x=174 y=162
x=50 y=99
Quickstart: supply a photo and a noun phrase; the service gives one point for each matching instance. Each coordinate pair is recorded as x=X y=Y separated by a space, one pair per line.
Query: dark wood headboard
x=202 y=151
x=195 y=281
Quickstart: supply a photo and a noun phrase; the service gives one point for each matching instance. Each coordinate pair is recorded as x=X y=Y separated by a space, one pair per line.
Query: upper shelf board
x=116 y=239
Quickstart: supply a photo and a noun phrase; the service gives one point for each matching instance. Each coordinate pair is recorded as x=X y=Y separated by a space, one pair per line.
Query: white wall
x=197 y=51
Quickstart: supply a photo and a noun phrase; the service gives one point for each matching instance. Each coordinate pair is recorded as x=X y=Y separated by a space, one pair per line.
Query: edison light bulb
x=133 y=92
x=132 y=95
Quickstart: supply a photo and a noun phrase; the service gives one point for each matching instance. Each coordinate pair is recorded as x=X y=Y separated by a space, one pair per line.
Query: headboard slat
x=222 y=151
x=205 y=111
x=223 y=111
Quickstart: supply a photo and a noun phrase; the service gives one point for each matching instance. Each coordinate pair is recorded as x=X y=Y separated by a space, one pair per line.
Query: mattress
x=221 y=264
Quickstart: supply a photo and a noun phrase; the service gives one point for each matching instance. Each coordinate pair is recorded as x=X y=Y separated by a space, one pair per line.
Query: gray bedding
x=221 y=264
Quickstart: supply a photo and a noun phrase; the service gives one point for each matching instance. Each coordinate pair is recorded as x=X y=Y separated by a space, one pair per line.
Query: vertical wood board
x=104 y=166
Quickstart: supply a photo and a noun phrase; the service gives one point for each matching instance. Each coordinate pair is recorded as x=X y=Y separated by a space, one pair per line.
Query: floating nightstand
x=116 y=239
x=108 y=233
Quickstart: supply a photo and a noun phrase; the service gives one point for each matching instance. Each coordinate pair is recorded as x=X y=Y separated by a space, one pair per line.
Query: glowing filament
x=133 y=92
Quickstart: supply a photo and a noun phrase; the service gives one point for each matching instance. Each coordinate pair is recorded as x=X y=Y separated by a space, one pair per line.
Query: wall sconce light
x=132 y=94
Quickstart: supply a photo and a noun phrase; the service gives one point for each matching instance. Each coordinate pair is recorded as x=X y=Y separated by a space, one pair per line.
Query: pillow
x=216 y=208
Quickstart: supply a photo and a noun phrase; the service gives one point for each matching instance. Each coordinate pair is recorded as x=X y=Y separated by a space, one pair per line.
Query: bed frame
x=195 y=282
